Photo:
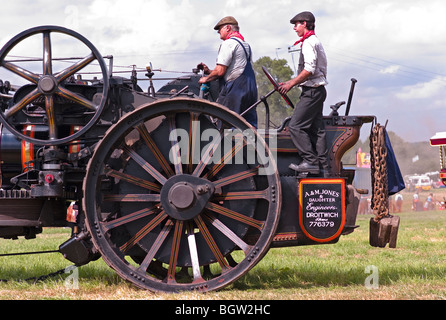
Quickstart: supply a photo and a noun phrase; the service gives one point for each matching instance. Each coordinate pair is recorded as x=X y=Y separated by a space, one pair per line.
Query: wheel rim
x=169 y=221
x=48 y=89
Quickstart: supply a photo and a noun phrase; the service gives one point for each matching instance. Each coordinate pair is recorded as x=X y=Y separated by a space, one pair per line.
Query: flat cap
x=303 y=16
x=224 y=21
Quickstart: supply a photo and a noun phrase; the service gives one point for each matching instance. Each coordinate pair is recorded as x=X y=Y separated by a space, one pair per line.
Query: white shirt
x=232 y=55
x=313 y=59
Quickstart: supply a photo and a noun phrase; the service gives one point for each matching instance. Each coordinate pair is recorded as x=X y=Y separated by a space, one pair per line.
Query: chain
x=378 y=165
x=42 y=277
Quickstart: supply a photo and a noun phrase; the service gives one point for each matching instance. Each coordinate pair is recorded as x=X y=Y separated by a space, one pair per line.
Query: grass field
x=415 y=270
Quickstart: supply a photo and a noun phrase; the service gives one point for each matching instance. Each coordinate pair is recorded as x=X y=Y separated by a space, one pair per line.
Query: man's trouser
x=307 y=127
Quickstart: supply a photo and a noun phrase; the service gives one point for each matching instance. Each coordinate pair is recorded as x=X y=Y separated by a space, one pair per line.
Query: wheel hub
x=184 y=197
x=181 y=196
x=47 y=84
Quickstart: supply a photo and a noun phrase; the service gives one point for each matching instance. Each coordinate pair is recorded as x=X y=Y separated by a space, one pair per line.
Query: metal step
x=18 y=208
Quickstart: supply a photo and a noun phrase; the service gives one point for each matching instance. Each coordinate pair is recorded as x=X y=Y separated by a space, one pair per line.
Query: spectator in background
x=398 y=202
x=430 y=202
x=416 y=201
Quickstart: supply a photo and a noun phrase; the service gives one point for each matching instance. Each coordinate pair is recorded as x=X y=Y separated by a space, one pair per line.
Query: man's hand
x=287 y=86
x=218 y=72
x=202 y=66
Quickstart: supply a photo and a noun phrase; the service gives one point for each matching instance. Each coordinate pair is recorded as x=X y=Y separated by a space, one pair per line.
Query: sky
x=396 y=50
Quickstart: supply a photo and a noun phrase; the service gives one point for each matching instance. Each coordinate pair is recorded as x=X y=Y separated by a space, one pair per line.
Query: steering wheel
x=47 y=91
x=276 y=87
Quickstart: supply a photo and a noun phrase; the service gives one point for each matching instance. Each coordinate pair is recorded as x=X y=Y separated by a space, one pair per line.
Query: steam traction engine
x=173 y=191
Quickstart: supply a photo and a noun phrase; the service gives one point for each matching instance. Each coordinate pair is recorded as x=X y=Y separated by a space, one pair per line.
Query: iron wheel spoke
x=235 y=215
x=208 y=154
x=65 y=74
x=133 y=180
x=47 y=54
x=156 y=245
x=51 y=114
x=227 y=232
x=143 y=231
x=174 y=252
x=28 y=75
x=63 y=92
x=193 y=253
x=212 y=244
x=30 y=97
x=132 y=197
x=175 y=145
x=236 y=177
x=129 y=218
x=194 y=141
x=145 y=165
x=226 y=159
x=242 y=195
x=154 y=148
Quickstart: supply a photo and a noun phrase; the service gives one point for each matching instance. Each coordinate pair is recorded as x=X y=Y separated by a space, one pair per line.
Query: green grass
x=416 y=269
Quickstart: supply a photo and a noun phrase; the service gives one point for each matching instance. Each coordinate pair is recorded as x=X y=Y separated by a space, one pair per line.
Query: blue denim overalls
x=240 y=94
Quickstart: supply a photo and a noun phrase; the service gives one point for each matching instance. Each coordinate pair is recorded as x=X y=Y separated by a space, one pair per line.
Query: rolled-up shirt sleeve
x=314 y=60
x=310 y=58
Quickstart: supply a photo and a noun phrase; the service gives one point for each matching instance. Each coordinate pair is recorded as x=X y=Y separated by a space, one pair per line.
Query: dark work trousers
x=307 y=127
x=240 y=94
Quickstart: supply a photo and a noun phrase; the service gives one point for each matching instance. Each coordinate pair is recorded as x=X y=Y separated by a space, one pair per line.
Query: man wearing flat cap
x=238 y=88
x=306 y=127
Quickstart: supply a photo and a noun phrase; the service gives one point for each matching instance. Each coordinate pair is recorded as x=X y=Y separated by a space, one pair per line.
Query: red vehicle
x=439 y=140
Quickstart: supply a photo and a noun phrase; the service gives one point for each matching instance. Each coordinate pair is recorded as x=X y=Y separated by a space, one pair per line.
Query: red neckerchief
x=235 y=34
x=306 y=35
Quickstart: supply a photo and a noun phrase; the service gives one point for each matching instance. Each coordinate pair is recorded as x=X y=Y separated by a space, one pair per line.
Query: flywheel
x=47 y=98
x=182 y=194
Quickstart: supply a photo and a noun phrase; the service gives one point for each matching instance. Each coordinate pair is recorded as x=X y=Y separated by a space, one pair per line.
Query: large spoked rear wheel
x=182 y=194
